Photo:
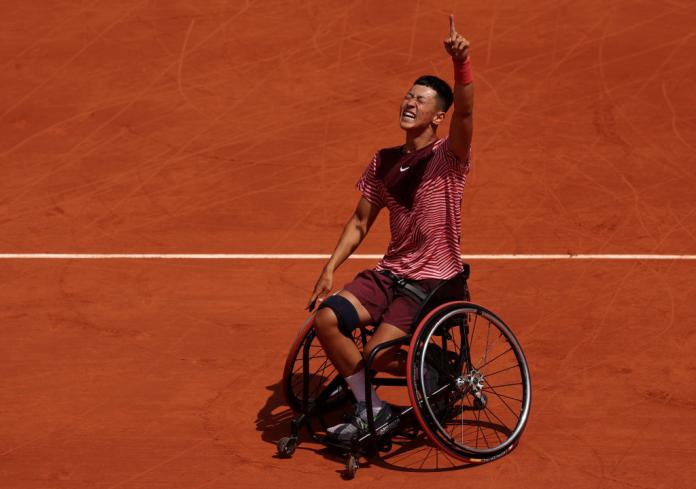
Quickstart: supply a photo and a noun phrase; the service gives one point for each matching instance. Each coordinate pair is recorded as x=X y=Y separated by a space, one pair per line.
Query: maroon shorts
x=376 y=293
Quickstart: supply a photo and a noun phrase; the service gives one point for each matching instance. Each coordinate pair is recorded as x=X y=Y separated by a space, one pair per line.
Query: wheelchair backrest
x=452 y=289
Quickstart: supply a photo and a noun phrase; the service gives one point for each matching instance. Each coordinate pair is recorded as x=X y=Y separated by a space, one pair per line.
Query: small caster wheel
x=352 y=466
x=286 y=446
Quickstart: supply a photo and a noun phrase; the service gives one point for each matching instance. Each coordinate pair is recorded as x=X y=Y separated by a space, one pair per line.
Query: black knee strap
x=344 y=310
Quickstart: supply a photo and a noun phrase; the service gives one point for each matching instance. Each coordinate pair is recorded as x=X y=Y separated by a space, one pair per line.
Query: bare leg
x=392 y=360
x=341 y=350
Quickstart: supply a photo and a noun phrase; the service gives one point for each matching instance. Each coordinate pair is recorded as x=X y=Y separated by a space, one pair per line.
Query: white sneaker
x=357 y=426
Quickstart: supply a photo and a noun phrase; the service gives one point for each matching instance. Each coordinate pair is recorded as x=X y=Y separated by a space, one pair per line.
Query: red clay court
x=241 y=127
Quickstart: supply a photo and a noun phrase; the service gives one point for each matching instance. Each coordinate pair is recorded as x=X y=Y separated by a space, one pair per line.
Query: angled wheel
x=307 y=359
x=468 y=382
x=286 y=446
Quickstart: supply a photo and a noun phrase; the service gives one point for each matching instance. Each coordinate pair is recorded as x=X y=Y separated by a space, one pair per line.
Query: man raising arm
x=421 y=184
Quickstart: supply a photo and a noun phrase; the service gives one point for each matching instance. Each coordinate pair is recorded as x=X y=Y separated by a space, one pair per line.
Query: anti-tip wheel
x=286 y=446
x=352 y=466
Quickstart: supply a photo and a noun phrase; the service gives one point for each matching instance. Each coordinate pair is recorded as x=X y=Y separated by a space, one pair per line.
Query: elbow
x=362 y=230
x=465 y=111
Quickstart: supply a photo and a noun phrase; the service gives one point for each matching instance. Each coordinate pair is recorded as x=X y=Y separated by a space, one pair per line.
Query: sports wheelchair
x=467 y=380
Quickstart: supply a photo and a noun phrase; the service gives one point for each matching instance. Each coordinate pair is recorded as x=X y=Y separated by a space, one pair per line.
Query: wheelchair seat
x=452 y=289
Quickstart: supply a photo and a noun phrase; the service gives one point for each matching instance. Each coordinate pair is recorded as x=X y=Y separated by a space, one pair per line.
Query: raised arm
x=353 y=233
x=462 y=124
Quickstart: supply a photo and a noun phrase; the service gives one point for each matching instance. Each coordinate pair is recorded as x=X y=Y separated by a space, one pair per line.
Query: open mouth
x=407 y=114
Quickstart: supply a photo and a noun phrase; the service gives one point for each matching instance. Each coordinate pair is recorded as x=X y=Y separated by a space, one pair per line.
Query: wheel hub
x=472 y=381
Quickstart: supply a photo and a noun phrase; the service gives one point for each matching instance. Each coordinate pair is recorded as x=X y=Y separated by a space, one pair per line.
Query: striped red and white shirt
x=425 y=239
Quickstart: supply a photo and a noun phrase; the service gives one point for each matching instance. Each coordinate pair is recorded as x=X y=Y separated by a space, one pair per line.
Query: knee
x=336 y=315
x=325 y=322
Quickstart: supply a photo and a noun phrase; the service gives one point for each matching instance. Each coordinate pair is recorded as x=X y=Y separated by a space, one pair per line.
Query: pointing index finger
x=453 y=32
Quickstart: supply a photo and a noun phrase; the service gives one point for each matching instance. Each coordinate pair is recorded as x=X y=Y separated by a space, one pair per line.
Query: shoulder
x=443 y=152
x=442 y=148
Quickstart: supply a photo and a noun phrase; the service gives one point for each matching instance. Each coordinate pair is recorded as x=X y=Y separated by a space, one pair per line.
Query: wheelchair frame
x=378 y=438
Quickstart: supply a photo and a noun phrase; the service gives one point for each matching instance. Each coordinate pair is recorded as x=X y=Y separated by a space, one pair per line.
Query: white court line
x=305 y=256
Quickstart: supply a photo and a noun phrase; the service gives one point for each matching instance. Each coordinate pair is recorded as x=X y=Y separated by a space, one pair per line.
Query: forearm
x=463 y=100
x=461 y=128
x=353 y=233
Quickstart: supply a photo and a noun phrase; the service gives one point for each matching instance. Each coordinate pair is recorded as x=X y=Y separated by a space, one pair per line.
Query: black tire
x=322 y=374
x=476 y=404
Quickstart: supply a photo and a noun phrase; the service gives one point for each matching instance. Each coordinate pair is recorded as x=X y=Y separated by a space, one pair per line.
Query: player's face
x=419 y=108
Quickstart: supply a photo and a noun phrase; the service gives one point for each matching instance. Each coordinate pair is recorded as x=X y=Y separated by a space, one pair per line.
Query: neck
x=420 y=138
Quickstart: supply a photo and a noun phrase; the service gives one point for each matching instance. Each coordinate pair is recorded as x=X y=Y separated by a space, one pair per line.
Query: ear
x=438 y=118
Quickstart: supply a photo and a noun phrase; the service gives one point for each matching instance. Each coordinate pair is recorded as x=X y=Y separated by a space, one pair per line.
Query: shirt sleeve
x=370 y=187
x=453 y=161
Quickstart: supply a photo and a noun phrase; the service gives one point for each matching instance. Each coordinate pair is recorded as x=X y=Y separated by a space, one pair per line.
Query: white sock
x=356 y=382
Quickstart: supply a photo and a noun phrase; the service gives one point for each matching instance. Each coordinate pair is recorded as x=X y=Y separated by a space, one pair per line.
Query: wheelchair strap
x=406 y=287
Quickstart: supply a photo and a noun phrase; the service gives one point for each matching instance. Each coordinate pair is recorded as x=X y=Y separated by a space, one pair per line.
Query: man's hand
x=321 y=289
x=455 y=45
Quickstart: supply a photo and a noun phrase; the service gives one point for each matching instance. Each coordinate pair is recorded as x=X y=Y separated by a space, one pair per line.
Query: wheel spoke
x=488 y=335
x=487 y=408
x=505 y=403
x=462 y=428
x=503 y=385
x=506 y=397
x=461 y=423
x=501 y=370
x=457 y=346
x=318 y=355
x=326 y=365
x=494 y=359
x=478 y=425
x=495 y=432
x=473 y=333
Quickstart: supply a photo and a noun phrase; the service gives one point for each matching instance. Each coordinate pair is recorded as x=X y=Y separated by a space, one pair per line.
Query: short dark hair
x=441 y=87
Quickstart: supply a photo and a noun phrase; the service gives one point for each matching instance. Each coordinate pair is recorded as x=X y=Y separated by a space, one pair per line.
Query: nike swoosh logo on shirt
x=402 y=169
